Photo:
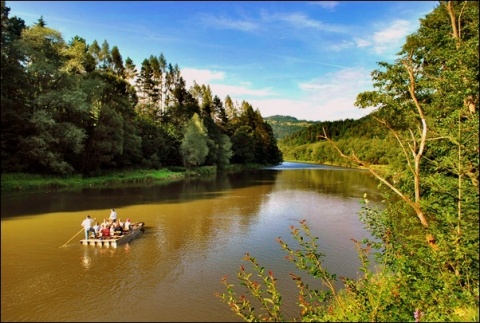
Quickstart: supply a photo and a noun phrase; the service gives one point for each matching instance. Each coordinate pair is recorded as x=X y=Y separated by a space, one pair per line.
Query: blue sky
x=303 y=59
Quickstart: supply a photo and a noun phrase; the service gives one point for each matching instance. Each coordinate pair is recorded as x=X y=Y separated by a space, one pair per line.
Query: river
x=197 y=231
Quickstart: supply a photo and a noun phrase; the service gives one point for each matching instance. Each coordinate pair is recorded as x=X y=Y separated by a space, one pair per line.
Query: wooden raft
x=115 y=241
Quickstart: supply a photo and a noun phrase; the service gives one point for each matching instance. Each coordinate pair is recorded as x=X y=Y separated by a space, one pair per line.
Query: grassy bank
x=33 y=182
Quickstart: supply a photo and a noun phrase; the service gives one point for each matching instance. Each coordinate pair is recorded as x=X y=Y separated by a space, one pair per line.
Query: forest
x=72 y=108
x=365 y=136
x=284 y=126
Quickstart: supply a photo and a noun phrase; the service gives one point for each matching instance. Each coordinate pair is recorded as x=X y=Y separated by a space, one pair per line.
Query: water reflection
x=86 y=260
x=117 y=197
x=331 y=180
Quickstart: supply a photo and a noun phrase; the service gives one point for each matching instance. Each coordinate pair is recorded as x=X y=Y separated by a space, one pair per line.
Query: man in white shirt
x=113 y=215
x=87 y=225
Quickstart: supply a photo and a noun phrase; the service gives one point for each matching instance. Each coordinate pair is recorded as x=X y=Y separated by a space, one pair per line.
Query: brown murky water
x=197 y=232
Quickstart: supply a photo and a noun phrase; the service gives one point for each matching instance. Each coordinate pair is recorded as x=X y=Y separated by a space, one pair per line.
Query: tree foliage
x=194 y=144
x=78 y=108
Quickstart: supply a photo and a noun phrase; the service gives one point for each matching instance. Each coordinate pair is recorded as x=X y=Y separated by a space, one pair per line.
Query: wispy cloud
x=228 y=23
x=393 y=35
x=325 y=4
x=388 y=38
x=200 y=76
x=268 y=21
x=242 y=90
x=342 y=83
x=303 y=60
x=339 y=45
x=362 y=42
x=300 y=20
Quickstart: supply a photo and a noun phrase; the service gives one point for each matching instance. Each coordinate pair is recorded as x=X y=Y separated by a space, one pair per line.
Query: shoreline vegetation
x=32 y=182
x=11 y=182
x=346 y=165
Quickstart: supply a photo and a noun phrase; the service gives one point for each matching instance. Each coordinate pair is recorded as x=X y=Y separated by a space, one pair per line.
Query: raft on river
x=116 y=240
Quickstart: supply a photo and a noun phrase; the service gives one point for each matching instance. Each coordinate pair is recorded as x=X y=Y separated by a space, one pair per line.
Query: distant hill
x=284 y=126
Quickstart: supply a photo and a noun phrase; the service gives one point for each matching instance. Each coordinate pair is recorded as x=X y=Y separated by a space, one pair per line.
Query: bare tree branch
x=404 y=197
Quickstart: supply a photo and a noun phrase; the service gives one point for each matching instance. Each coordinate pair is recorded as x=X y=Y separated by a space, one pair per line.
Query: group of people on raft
x=110 y=227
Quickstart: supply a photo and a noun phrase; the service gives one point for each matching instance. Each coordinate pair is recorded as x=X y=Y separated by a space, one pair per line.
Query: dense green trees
x=50 y=136
x=194 y=144
x=426 y=238
x=78 y=108
x=364 y=136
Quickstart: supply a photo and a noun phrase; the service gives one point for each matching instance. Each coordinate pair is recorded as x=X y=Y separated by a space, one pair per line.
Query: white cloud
x=394 y=35
x=336 y=108
x=362 y=42
x=338 y=83
x=327 y=99
x=225 y=23
x=326 y=4
x=222 y=90
x=387 y=39
x=200 y=76
x=211 y=78
x=300 y=20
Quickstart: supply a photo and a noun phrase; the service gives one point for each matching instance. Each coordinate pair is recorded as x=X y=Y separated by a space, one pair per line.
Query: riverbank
x=31 y=182
x=381 y=168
